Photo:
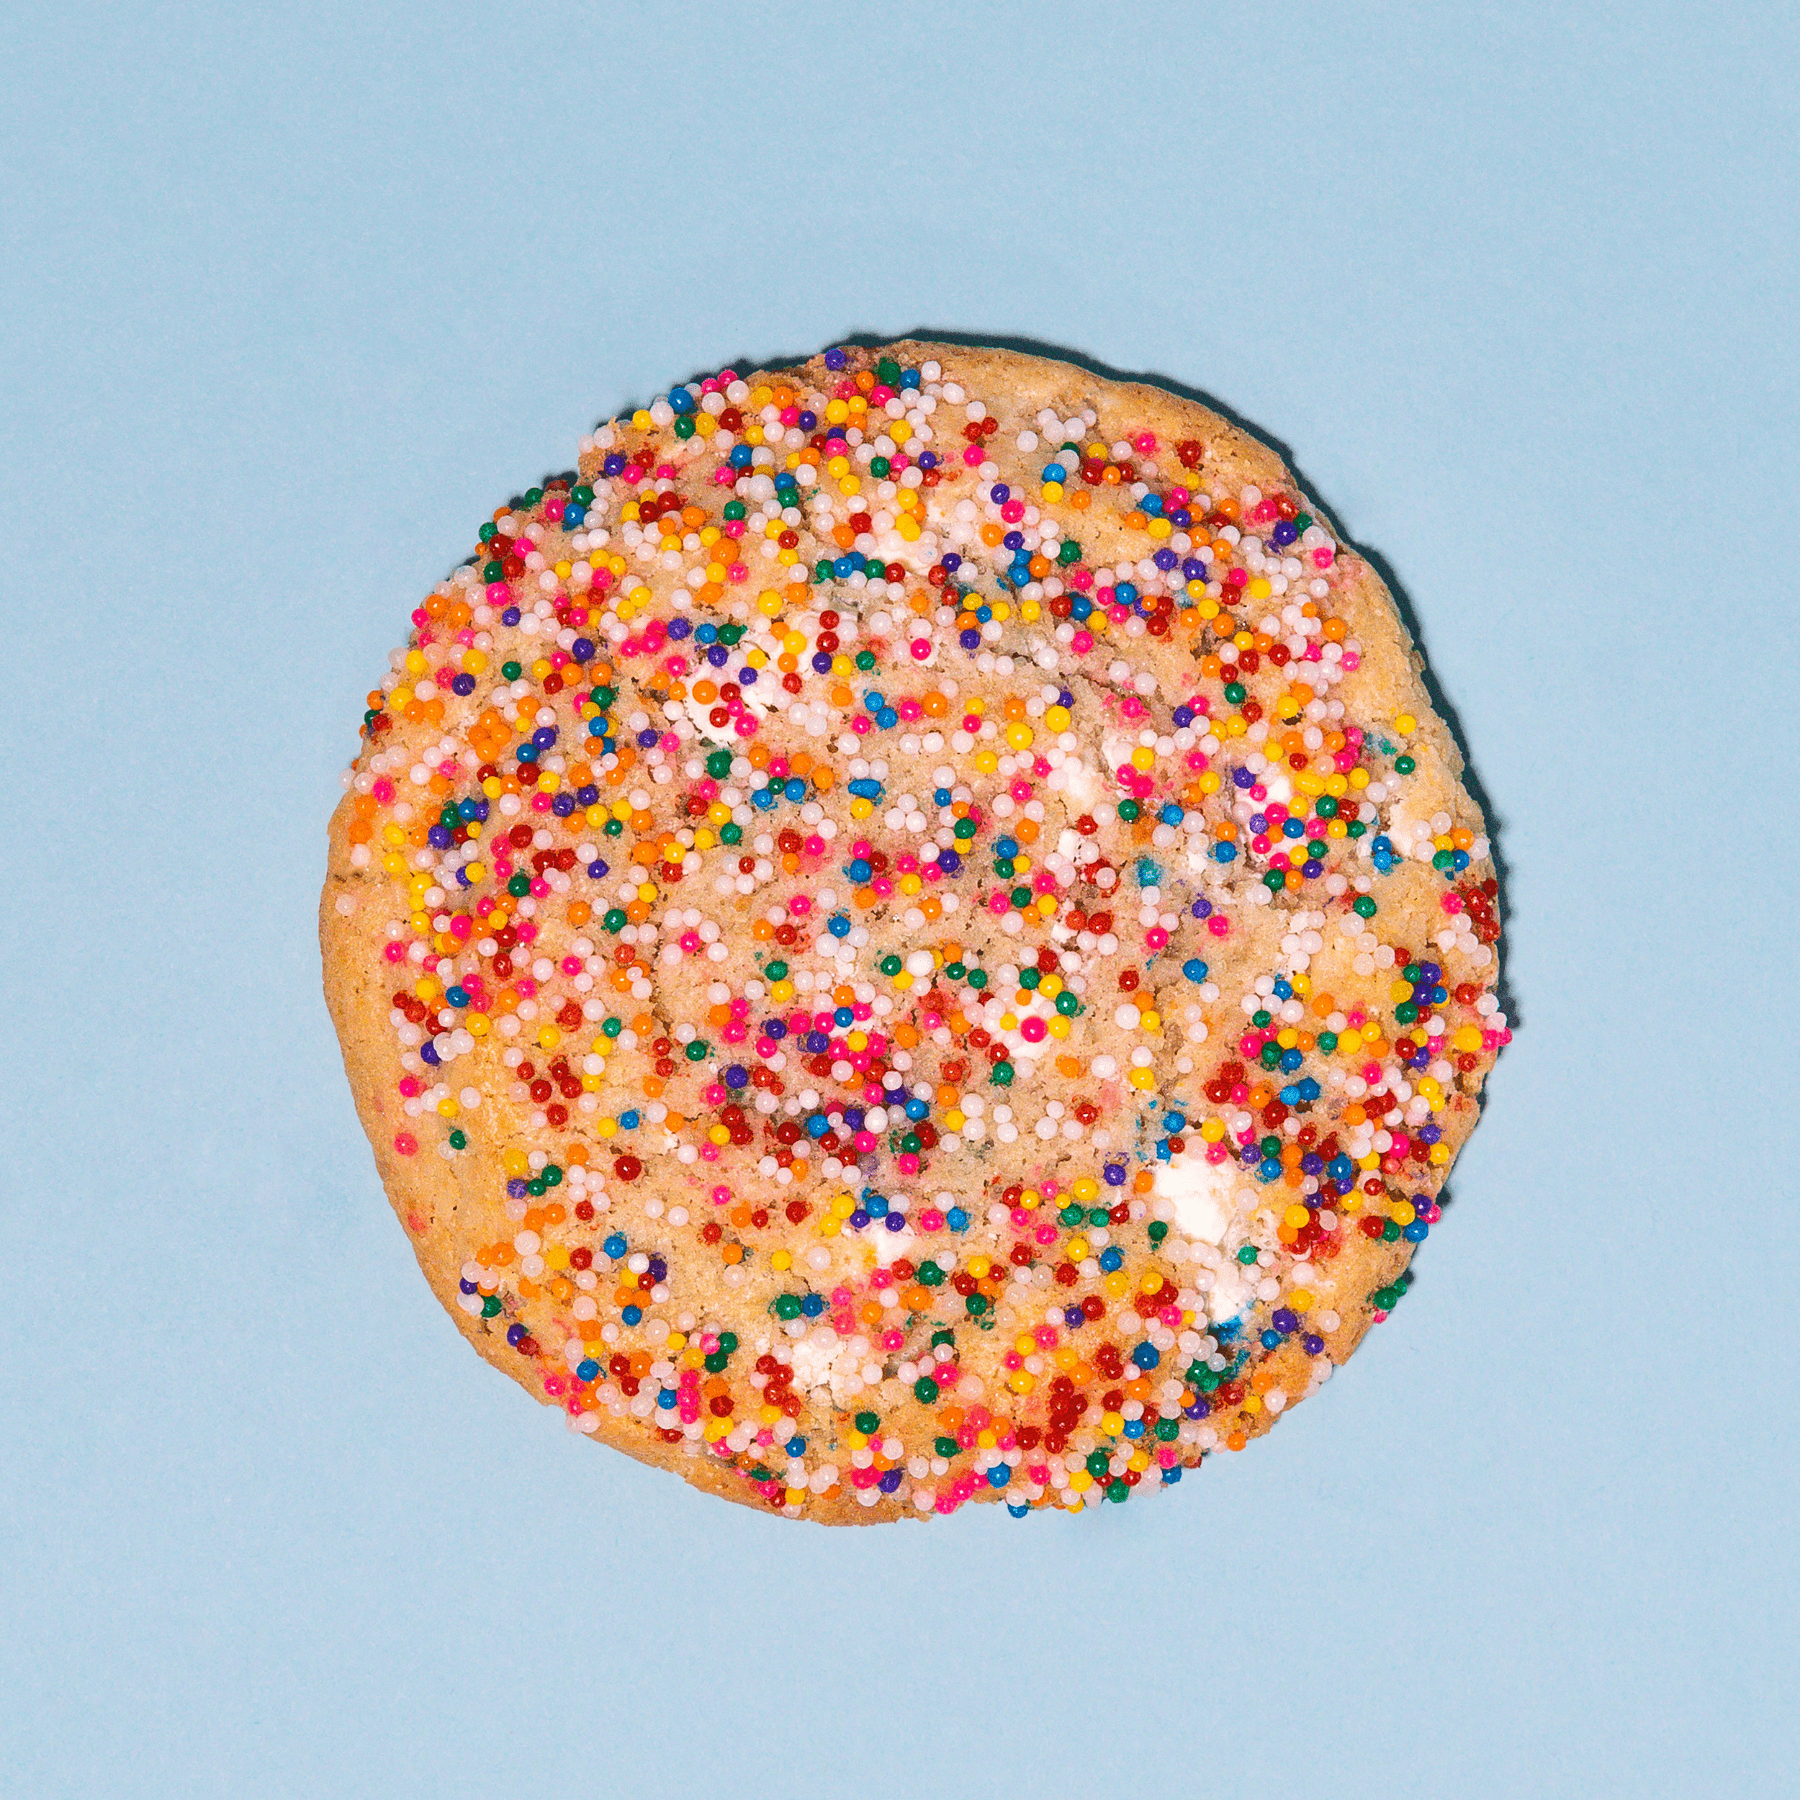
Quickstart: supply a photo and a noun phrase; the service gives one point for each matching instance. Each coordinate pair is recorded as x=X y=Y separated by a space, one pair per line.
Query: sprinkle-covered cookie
x=907 y=934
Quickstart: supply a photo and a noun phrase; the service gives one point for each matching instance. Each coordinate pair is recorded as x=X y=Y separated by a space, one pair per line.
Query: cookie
x=906 y=934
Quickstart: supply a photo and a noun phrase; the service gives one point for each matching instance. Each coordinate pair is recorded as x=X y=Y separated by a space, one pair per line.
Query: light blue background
x=289 y=304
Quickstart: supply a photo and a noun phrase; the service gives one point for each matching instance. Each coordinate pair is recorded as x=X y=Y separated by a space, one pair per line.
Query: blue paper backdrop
x=290 y=301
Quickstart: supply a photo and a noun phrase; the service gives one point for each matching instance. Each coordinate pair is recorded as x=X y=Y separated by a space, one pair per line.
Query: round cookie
x=907 y=934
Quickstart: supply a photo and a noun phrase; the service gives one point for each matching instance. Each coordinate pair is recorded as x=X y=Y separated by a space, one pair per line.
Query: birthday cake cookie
x=906 y=934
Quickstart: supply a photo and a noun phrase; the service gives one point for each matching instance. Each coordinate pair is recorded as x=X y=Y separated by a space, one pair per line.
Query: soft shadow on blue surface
x=292 y=301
